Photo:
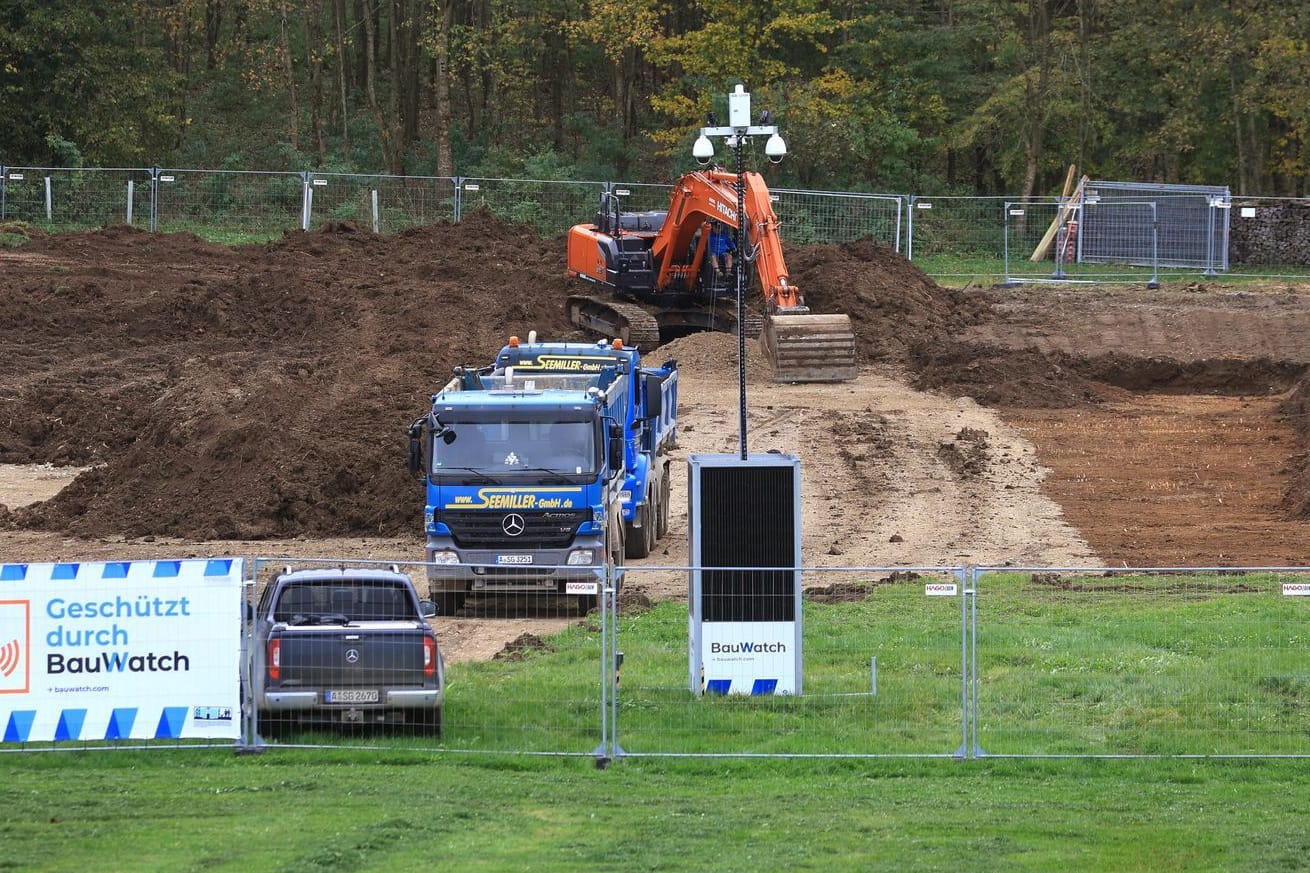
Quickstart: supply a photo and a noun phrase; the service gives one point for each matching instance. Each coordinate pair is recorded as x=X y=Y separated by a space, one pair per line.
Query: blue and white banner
x=749 y=657
x=120 y=650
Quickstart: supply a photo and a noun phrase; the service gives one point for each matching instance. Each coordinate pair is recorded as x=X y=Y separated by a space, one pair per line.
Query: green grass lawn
x=1102 y=663
x=289 y=809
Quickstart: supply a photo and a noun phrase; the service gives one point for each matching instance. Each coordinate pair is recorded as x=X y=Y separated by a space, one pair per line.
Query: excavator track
x=810 y=348
x=610 y=319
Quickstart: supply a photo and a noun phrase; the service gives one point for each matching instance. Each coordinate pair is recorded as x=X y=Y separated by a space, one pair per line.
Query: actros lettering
x=118 y=662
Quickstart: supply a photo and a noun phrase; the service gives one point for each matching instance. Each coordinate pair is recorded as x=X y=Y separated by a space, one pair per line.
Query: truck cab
x=536 y=469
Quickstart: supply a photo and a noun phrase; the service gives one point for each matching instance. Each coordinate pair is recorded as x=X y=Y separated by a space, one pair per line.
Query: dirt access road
x=253 y=401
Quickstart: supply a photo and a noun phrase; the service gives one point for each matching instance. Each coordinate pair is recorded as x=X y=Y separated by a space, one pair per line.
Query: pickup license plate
x=513 y=559
x=351 y=695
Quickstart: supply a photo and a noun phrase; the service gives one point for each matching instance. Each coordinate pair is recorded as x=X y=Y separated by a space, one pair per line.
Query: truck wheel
x=448 y=603
x=641 y=535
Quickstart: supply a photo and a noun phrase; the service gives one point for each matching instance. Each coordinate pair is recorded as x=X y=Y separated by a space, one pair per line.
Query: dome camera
x=703 y=150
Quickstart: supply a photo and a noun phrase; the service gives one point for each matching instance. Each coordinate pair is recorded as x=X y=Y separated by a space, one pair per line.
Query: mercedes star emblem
x=513 y=525
x=352 y=655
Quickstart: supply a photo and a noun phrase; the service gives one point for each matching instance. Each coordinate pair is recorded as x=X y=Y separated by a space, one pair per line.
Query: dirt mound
x=1003 y=377
x=894 y=306
x=255 y=392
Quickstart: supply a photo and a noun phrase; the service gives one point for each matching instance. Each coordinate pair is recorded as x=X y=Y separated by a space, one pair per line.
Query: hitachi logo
x=747 y=648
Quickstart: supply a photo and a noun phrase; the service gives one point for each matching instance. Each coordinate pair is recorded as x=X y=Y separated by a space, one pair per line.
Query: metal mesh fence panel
x=881 y=671
x=522 y=673
x=1190 y=231
x=550 y=206
x=236 y=206
x=1133 y=662
x=810 y=217
x=636 y=197
x=956 y=237
x=953 y=239
x=63 y=199
x=1126 y=241
x=383 y=204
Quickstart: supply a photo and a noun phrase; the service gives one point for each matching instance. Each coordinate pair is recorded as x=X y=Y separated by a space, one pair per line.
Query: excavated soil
x=180 y=395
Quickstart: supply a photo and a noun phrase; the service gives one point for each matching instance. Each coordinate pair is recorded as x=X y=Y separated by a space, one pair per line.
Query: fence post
x=1209 y=240
x=1155 y=248
x=49 y=203
x=4 y=176
x=130 y=189
x=909 y=227
x=154 y=199
x=610 y=660
x=306 y=199
x=961 y=579
x=971 y=594
x=249 y=742
x=373 y=195
x=900 y=204
x=1005 y=240
x=458 y=182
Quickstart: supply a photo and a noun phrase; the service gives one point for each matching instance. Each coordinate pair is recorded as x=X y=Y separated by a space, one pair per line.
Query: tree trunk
x=443 y=17
x=213 y=29
x=289 y=79
x=370 y=89
x=343 y=73
x=316 y=49
x=1035 y=92
x=395 y=98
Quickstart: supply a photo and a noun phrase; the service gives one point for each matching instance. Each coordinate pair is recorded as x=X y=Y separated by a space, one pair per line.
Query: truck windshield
x=501 y=447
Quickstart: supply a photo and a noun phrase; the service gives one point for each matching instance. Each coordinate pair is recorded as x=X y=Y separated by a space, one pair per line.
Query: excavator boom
x=661 y=259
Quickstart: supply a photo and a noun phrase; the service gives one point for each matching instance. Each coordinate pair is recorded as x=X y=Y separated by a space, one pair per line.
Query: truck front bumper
x=511 y=571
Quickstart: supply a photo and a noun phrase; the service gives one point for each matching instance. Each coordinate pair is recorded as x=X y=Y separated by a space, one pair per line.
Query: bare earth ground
x=164 y=397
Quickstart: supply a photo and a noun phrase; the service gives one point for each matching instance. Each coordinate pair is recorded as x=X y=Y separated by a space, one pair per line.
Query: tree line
x=945 y=97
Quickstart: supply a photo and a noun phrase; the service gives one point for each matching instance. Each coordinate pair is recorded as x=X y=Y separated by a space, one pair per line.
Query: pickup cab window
x=343 y=601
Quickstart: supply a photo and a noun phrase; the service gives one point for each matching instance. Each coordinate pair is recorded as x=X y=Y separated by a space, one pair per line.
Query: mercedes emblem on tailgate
x=352 y=655
x=513 y=524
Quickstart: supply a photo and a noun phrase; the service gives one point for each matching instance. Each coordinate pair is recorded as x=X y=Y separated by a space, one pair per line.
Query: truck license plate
x=351 y=695
x=513 y=559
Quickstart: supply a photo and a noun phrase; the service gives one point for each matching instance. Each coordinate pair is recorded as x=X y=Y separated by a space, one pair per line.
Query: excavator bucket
x=810 y=348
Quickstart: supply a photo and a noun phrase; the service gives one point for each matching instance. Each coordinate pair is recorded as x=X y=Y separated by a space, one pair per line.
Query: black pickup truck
x=345 y=646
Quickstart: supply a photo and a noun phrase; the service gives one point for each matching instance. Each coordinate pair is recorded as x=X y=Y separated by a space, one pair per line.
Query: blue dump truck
x=542 y=466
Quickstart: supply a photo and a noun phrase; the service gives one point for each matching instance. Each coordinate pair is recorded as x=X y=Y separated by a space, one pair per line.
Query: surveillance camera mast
x=661 y=262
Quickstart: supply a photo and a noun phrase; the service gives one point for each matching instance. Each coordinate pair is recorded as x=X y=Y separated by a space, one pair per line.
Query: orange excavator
x=662 y=278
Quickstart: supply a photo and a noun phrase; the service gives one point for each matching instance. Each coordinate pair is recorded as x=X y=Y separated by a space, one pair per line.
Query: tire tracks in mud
x=892 y=476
